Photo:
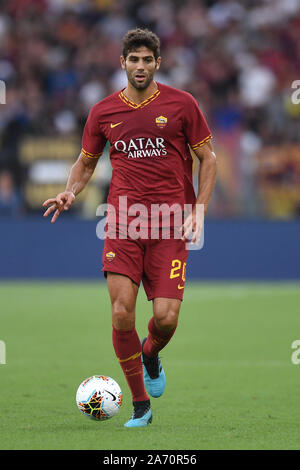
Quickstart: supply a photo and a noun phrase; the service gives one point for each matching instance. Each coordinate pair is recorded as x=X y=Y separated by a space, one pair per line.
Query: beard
x=140 y=86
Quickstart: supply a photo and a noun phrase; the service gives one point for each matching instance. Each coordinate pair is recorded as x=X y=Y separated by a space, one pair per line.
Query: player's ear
x=122 y=60
x=158 y=62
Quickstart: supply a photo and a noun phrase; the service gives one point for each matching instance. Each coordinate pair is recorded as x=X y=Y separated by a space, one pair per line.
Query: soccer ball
x=99 y=397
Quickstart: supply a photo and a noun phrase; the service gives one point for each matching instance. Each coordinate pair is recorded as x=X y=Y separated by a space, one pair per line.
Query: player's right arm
x=80 y=174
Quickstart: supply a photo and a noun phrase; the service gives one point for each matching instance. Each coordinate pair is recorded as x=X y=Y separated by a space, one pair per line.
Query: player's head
x=141 y=57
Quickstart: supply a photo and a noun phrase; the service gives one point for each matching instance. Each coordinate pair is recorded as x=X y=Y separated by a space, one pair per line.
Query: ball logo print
x=2 y=352
x=111 y=394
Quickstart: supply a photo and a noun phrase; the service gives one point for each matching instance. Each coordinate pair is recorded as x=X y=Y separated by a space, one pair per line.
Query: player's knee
x=123 y=317
x=167 y=320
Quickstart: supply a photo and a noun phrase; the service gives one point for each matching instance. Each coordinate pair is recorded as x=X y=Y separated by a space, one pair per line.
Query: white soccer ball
x=99 y=397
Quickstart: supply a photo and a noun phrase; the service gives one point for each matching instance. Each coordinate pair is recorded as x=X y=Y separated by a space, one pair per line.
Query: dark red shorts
x=159 y=264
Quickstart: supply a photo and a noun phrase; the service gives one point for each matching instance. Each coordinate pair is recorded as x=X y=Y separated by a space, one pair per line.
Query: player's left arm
x=207 y=173
x=206 y=181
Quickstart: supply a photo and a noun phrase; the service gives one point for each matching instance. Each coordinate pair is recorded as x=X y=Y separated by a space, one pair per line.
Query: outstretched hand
x=193 y=225
x=60 y=203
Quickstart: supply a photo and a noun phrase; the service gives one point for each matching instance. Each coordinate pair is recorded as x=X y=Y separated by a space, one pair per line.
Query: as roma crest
x=161 y=121
x=110 y=256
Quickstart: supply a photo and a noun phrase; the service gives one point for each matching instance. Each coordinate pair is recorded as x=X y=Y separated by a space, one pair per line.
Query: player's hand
x=60 y=203
x=193 y=225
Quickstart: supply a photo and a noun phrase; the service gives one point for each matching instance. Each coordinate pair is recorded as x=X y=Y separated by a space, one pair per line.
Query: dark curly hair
x=138 y=37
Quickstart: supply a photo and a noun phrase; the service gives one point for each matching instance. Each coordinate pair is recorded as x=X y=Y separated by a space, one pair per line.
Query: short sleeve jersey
x=149 y=145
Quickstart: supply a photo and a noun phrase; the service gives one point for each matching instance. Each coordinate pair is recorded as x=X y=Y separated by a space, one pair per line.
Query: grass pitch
x=231 y=383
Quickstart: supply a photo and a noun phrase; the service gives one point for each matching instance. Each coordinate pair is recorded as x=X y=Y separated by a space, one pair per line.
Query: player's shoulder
x=176 y=94
x=105 y=105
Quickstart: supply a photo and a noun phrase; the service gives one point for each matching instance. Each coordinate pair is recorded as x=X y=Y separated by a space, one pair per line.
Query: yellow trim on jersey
x=202 y=142
x=142 y=104
x=90 y=155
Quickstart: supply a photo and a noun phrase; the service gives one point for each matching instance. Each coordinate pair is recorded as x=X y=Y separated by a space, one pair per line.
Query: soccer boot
x=141 y=416
x=154 y=375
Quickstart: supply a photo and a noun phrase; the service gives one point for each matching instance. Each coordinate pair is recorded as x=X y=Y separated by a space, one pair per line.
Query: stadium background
x=239 y=59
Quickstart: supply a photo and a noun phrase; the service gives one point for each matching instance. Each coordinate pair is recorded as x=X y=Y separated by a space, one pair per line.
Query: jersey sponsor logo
x=161 y=121
x=180 y=287
x=110 y=256
x=142 y=147
x=115 y=125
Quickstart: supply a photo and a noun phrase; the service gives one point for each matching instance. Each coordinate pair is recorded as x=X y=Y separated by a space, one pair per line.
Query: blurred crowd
x=238 y=58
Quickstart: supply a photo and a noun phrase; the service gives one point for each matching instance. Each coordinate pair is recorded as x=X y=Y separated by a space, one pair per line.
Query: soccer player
x=151 y=128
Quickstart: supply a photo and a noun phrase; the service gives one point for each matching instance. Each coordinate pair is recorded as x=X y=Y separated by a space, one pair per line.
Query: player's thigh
x=123 y=256
x=122 y=289
x=164 y=269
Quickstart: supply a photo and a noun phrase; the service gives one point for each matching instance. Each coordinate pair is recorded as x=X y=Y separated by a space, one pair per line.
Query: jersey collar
x=143 y=103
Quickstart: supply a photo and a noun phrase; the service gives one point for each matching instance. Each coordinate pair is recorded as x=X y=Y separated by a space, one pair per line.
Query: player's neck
x=138 y=96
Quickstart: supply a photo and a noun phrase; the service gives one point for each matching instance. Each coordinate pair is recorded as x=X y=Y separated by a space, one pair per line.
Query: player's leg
x=162 y=325
x=164 y=282
x=123 y=293
x=161 y=328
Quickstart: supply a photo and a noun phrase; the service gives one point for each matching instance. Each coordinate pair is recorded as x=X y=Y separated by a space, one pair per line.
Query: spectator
x=10 y=200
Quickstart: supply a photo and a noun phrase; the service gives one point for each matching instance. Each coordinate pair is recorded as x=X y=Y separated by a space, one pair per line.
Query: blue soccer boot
x=154 y=375
x=141 y=416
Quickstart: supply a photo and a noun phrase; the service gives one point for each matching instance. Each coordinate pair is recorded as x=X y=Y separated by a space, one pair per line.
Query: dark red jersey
x=149 y=145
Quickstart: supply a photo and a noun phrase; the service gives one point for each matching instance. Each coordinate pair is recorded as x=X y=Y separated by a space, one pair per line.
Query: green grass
x=230 y=380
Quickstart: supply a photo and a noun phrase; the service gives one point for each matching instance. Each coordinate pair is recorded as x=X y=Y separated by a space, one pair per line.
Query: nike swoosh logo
x=129 y=370
x=180 y=287
x=113 y=396
x=115 y=125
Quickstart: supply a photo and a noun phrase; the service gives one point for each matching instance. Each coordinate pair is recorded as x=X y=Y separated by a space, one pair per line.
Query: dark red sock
x=157 y=339
x=128 y=351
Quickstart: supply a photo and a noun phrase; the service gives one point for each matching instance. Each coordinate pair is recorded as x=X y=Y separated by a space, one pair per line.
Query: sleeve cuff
x=202 y=142
x=90 y=155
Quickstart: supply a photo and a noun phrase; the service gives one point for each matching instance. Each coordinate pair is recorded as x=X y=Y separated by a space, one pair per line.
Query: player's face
x=140 y=66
